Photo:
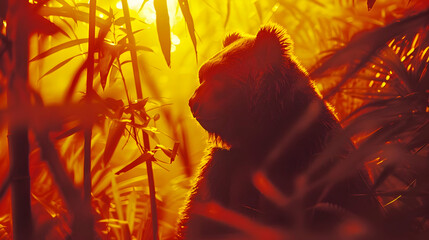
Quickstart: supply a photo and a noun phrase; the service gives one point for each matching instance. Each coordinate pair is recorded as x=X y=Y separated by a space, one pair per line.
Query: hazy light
x=132 y=4
x=175 y=39
x=148 y=14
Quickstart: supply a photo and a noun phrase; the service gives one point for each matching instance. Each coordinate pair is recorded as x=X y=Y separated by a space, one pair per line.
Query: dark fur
x=251 y=94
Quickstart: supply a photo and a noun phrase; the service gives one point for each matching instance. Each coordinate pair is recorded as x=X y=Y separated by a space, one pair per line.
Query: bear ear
x=272 y=44
x=231 y=38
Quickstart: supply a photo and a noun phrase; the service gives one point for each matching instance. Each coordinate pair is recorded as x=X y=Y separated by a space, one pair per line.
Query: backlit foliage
x=376 y=77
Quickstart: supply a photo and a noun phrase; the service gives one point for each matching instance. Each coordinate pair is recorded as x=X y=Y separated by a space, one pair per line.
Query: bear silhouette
x=270 y=124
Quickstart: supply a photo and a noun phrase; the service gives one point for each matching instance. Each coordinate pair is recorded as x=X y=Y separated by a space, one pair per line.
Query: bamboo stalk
x=133 y=51
x=139 y=93
x=89 y=83
x=88 y=128
x=18 y=100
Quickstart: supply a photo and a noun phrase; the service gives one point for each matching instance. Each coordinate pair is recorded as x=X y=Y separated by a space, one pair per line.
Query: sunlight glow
x=133 y=4
x=175 y=39
x=148 y=11
x=4 y=27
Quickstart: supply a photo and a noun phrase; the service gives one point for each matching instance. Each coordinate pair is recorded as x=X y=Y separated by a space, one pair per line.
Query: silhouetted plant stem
x=139 y=93
x=133 y=51
x=18 y=101
x=88 y=128
x=89 y=83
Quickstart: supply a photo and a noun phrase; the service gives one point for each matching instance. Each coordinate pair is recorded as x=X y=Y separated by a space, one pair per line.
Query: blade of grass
x=132 y=48
x=163 y=28
x=59 y=65
x=184 y=7
x=59 y=48
x=115 y=133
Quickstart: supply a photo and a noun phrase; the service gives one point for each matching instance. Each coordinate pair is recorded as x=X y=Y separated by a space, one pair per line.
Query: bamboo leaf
x=72 y=13
x=164 y=149
x=174 y=152
x=42 y=25
x=184 y=7
x=100 y=9
x=107 y=56
x=56 y=67
x=366 y=45
x=75 y=81
x=143 y=3
x=59 y=48
x=141 y=48
x=115 y=133
x=121 y=21
x=144 y=157
x=163 y=28
x=69 y=132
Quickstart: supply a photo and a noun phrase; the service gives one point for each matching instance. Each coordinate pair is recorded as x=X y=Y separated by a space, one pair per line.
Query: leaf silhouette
x=163 y=28
x=62 y=63
x=366 y=45
x=107 y=54
x=143 y=158
x=174 y=152
x=73 y=13
x=115 y=133
x=141 y=7
x=100 y=9
x=59 y=48
x=184 y=7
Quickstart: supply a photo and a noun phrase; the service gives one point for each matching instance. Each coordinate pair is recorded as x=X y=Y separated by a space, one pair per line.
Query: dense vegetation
x=94 y=122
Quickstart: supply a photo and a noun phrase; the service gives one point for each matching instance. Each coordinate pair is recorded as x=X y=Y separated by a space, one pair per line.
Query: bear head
x=246 y=88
